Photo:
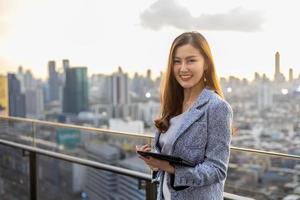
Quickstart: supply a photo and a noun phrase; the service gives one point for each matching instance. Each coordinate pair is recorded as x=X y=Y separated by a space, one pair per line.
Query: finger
x=139 y=147
x=145 y=147
x=147 y=162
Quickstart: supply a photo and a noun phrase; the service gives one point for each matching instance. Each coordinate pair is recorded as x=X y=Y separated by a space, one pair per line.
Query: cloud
x=164 y=13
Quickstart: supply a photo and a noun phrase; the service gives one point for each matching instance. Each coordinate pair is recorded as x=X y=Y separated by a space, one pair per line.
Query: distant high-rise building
x=21 y=77
x=265 y=94
x=277 y=63
x=66 y=64
x=62 y=79
x=291 y=76
x=4 y=105
x=119 y=88
x=35 y=102
x=99 y=92
x=149 y=74
x=53 y=82
x=278 y=76
x=265 y=78
x=29 y=82
x=17 y=105
x=146 y=112
x=256 y=76
x=119 y=93
x=75 y=96
x=136 y=85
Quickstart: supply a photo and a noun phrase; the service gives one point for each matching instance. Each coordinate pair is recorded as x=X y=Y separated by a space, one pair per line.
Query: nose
x=183 y=67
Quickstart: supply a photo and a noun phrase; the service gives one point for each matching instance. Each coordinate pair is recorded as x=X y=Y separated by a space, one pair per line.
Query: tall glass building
x=75 y=91
x=16 y=101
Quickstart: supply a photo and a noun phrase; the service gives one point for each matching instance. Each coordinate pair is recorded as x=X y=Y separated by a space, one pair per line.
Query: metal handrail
x=91 y=129
x=139 y=175
x=34 y=151
x=55 y=124
x=89 y=163
x=80 y=161
x=269 y=153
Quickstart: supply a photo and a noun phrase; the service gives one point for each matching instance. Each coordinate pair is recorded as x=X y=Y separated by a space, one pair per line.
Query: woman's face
x=188 y=66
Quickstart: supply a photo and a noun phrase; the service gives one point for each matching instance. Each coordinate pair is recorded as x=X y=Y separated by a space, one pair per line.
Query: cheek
x=175 y=70
x=198 y=71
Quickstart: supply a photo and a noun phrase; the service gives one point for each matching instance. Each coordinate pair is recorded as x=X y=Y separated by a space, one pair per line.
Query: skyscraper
x=278 y=76
x=4 y=105
x=20 y=75
x=53 y=82
x=291 y=76
x=29 y=82
x=75 y=96
x=149 y=74
x=66 y=64
x=35 y=102
x=256 y=76
x=17 y=105
x=277 y=64
x=119 y=88
x=119 y=94
x=265 y=94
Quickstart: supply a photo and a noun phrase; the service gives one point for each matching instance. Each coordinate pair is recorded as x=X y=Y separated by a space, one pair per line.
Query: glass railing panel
x=101 y=146
x=249 y=174
x=14 y=174
x=16 y=131
x=69 y=181
x=261 y=176
x=283 y=139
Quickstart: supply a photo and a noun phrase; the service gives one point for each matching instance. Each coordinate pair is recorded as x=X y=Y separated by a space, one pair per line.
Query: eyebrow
x=186 y=57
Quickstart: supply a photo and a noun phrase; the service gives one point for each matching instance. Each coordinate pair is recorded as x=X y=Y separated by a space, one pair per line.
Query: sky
x=137 y=34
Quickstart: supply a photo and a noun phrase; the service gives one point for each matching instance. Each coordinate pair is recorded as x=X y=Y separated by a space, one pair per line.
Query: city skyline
x=278 y=74
x=243 y=35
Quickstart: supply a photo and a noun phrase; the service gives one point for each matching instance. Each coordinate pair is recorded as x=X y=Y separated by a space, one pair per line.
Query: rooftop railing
x=45 y=146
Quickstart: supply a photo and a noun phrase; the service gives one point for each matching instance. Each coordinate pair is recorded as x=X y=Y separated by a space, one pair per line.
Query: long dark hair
x=171 y=95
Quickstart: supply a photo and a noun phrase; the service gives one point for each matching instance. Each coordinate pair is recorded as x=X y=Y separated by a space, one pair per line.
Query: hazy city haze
x=244 y=35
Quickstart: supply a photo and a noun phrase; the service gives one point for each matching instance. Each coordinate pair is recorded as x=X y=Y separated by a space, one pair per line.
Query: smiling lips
x=185 y=77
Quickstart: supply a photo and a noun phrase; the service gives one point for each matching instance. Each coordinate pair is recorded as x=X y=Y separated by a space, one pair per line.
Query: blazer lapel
x=156 y=143
x=195 y=112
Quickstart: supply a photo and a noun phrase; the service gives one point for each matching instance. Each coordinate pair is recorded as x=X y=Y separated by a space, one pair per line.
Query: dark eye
x=176 y=61
x=192 y=60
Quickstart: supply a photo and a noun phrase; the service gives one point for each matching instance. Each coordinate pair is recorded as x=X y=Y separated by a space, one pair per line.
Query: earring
x=204 y=74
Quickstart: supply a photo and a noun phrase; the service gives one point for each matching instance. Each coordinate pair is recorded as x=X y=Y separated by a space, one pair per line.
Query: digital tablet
x=172 y=159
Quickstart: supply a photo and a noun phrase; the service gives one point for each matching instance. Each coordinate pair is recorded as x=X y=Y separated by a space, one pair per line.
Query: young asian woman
x=194 y=124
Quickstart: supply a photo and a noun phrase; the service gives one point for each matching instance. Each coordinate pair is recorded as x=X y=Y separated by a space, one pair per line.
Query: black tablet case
x=171 y=159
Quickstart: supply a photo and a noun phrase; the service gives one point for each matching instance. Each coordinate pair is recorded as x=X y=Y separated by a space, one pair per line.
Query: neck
x=191 y=94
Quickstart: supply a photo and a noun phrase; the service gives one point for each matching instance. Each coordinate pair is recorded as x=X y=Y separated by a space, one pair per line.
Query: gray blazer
x=204 y=138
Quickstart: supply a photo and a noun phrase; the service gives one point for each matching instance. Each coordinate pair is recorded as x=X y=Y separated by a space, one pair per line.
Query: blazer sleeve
x=156 y=174
x=214 y=167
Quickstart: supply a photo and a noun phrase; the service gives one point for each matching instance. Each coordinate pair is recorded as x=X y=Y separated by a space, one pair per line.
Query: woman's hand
x=153 y=163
